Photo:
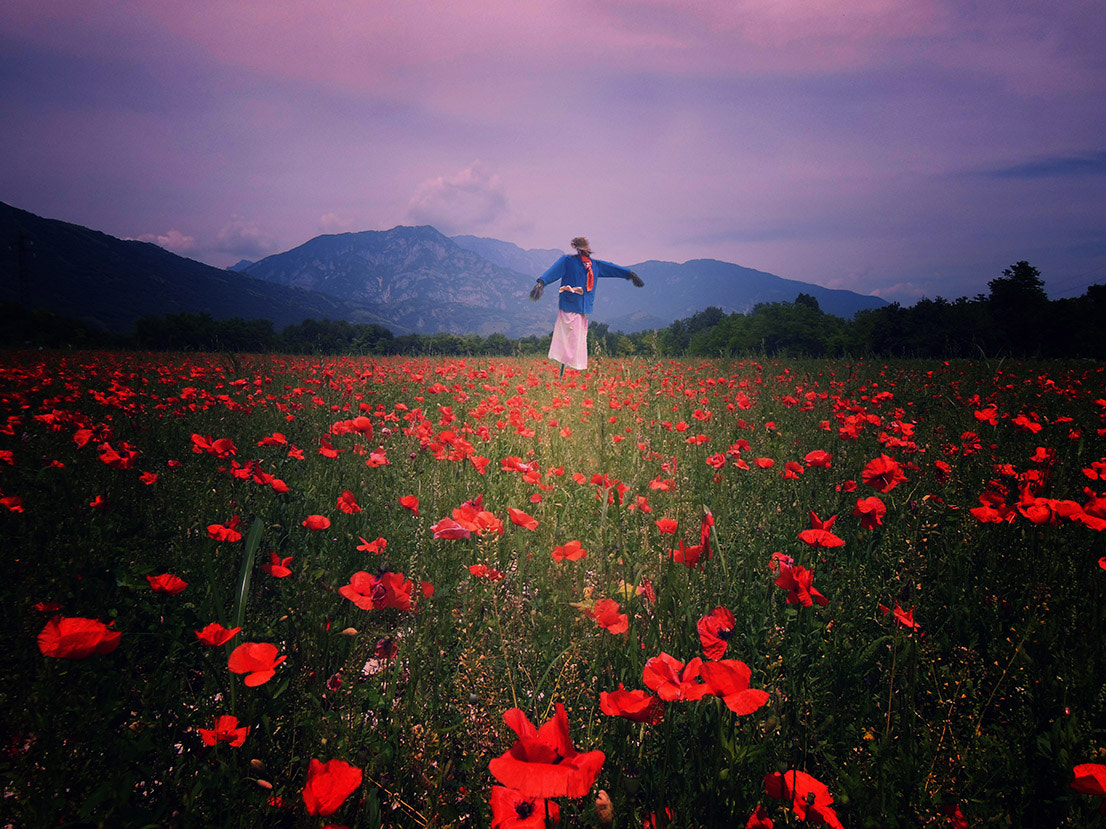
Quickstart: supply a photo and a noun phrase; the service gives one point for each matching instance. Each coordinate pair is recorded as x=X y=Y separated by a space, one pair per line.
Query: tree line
x=1016 y=318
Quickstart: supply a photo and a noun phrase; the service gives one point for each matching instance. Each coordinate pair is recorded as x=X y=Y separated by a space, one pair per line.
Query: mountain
x=407 y=279
x=109 y=283
x=415 y=276
x=533 y=263
x=676 y=291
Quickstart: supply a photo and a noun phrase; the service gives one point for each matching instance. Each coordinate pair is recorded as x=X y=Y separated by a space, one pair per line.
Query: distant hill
x=109 y=283
x=407 y=279
x=533 y=263
x=416 y=276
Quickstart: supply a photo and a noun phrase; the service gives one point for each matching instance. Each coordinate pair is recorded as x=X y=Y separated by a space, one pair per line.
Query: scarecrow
x=577 y=275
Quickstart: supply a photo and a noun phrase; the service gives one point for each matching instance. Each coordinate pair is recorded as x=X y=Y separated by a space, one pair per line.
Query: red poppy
x=792 y=470
x=75 y=637
x=569 y=551
x=474 y=518
x=798 y=581
x=672 y=680
x=606 y=615
x=277 y=566
x=225 y=532
x=688 y=555
x=328 y=785
x=821 y=538
x=376 y=547
x=512 y=809
x=543 y=762
x=347 y=503
x=226 y=730
x=258 y=660
x=666 y=525
x=448 y=528
x=764 y=463
x=638 y=706
x=522 y=519
x=214 y=634
x=371 y=592
x=715 y=630
x=409 y=502
x=882 y=474
x=809 y=798
x=167 y=583
x=729 y=679
x=483 y=571
x=820 y=458
x=1090 y=778
x=316 y=522
x=759 y=819
x=870 y=511
x=905 y=618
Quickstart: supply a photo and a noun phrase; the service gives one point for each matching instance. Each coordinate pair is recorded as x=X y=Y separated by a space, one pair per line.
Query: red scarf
x=591 y=273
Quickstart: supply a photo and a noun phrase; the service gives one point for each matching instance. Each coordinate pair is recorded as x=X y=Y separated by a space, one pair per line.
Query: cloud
x=334 y=223
x=470 y=200
x=172 y=240
x=1092 y=164
x=244 y=238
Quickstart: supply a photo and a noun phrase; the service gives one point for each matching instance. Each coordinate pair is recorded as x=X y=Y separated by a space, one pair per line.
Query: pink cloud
x=172 y=240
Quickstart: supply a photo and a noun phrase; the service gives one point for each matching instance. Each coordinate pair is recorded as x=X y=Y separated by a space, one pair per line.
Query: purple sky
x=903 y=148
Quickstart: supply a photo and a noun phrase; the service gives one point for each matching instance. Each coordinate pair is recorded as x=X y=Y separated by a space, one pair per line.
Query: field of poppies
x=278 y=591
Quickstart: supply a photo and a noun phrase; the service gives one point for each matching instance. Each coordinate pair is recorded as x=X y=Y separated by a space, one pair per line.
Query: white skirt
x=570 y=340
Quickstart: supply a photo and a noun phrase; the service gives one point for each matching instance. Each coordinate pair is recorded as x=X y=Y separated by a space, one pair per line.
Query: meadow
x=303 y=591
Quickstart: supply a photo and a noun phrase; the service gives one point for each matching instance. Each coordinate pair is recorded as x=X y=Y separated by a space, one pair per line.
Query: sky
x=901 y=148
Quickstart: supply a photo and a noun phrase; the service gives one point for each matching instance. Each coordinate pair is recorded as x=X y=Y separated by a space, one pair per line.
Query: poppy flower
x=1090 y=778
x=798 y=582
x=347 y=503
x=214 y=634
x=764 y=463
x=483 y=571
x=167 y=583
x=448 y=528
x=226 y=730
x=882 y=474
x=729 y=679
x=225 y=532
x=688 y=555
x=376 y=547
x=277 y=566
x=328 y=785
x=315 y=523
x=409 y=502
x=759 y=819
x=792 y=470
x=371 y=592
x=606 y=615
x=870 y=511
x=75 y=637
x=821 y=538
x=715 y=630
x=543 y=762
x=809 y=798
x=672 y=680
x=522 y=519
x=637 y=706
x=512 y=809
x=569 y=551
x=905 y=618
x=819 y=458
x=258 y=660
x=667 y=526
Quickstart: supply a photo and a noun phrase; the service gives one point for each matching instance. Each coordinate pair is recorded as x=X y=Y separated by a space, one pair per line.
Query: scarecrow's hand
x=636 y=280
x=535 y=292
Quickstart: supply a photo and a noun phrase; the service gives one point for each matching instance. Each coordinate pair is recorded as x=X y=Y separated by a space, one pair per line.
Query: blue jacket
x=571 y=273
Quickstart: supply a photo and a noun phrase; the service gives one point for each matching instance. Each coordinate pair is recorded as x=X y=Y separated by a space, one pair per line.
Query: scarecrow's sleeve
x=556 y=271
x=610 y=269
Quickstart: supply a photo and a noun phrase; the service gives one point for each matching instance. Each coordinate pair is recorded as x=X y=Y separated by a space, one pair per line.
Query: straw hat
x=581 y=245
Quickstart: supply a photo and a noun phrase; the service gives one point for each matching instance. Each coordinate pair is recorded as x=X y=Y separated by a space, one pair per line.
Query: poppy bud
x=257 y=765
x=265 y=784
